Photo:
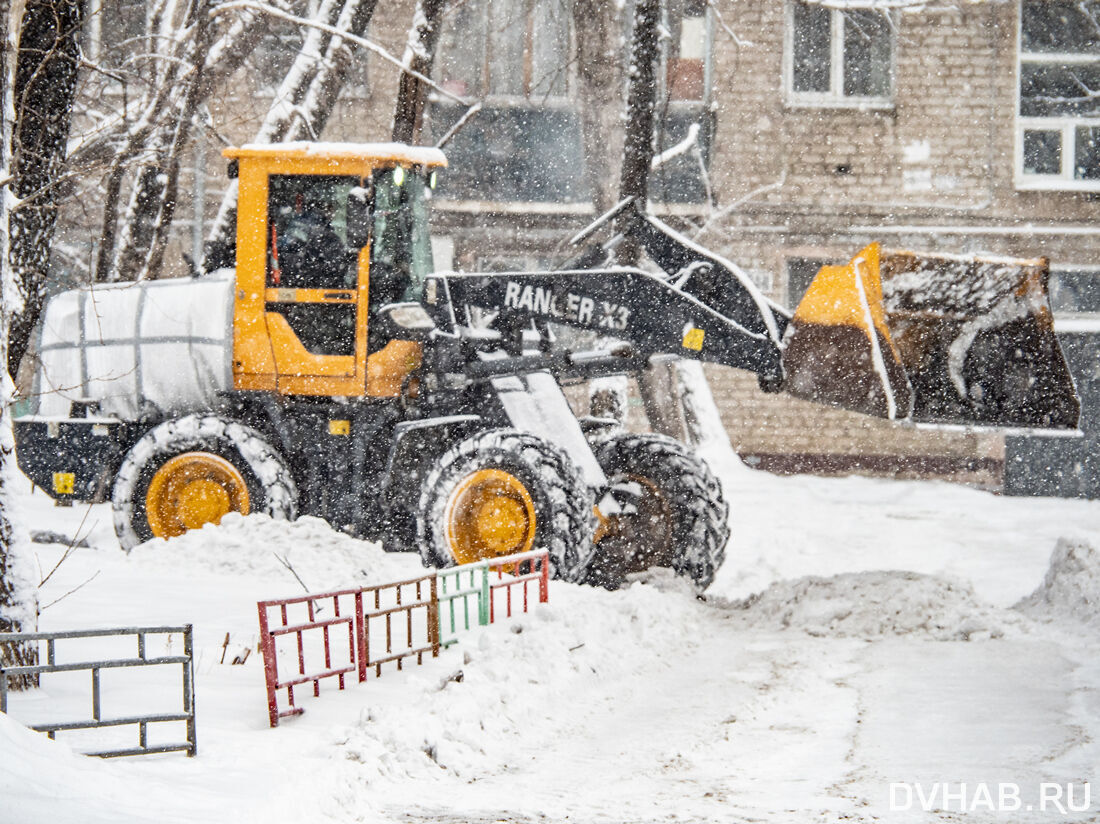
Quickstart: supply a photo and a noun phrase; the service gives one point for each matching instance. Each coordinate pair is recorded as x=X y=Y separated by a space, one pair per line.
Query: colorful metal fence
x=402 y=628
x=142 y=659
x=389 y=623
x=522 y=570
x=311 y=635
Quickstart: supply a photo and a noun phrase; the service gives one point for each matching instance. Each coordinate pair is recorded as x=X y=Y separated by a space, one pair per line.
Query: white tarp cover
x=156 y=345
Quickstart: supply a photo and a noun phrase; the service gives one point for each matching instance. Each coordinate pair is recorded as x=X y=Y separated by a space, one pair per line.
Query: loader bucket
x=938 y=339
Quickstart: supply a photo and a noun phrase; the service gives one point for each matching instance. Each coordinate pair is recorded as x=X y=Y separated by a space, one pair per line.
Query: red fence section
x=522 y=570
x=390 y=623
x=331 y=634
x=325 y=614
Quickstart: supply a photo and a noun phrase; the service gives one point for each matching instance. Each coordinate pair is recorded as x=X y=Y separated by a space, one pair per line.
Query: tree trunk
x=44 y=90
x=641 y=105
x=599 y=27
x=18 y=605
x=677 y=399
x=659 y=386
x=408 y=113
x=307 y=96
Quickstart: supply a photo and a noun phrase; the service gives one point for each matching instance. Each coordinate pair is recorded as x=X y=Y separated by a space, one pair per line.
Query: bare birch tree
x=186 y=63
x=307 y=94
x=18 y=607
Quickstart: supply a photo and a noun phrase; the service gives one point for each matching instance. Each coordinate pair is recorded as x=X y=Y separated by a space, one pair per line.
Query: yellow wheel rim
x=489 y=514
x=191 y=490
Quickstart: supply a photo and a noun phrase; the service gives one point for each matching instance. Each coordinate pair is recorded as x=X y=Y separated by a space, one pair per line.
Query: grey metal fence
x=185 y=660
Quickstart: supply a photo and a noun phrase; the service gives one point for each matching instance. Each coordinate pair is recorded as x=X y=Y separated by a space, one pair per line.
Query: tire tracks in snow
x=729 y=725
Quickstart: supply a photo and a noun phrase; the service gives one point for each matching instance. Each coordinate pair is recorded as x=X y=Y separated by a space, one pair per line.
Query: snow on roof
x=386 y=152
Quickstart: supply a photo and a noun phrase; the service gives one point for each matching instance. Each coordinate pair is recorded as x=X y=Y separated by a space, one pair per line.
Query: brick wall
x=933 y=172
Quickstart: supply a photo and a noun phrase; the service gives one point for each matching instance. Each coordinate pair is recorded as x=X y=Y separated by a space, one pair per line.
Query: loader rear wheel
x=501 y=492
x=676 y=515
x=192 y=471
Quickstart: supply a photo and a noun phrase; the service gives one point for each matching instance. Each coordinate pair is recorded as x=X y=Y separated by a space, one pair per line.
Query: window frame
x=530 y=97
x=1065 y=124
x=666 y=58
x=835 y=97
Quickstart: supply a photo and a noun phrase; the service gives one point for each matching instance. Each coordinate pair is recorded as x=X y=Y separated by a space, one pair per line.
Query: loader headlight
x=432 y=180
x=410 y=316
x=398 y=175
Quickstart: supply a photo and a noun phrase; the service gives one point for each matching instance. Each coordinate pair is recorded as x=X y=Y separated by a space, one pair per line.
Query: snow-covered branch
x=369 y=45
x=719 y=214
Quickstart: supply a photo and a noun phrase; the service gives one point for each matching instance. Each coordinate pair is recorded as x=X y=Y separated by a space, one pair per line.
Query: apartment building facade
x=969 y=128
x=965 y=128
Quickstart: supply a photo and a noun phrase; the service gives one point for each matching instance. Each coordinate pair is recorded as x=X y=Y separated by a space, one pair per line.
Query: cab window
x=401 y=253
x=308 y=232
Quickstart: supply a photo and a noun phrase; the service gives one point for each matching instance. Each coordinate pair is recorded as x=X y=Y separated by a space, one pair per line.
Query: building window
x=506 y=48
x=686 y=72
x=525 y=146
x=1075 y=290
x=1058 y=122
x=838 y=57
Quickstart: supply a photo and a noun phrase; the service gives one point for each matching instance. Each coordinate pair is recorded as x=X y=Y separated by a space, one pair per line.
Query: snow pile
x=509 y=683
x=257 y=546
x=872 y=605
x=45 y=780
x=1071 y=587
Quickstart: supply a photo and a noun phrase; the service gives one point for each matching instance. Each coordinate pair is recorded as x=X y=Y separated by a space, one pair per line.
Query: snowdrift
x=873 y=605
x=1071 y=587
x=257 y=546
x=43 y=780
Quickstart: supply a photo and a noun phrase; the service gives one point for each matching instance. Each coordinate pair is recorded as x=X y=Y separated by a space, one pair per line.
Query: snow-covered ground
x=867 y=641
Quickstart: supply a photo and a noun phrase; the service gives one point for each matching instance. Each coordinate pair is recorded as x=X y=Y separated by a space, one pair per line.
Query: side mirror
x=360 y=209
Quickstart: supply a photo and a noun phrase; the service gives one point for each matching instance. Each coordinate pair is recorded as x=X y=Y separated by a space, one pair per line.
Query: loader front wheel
x=186 y=473
x=502 y=492
x=674 y=513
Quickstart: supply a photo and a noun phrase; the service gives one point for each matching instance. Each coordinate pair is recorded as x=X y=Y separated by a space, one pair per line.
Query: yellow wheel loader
x=327 y=369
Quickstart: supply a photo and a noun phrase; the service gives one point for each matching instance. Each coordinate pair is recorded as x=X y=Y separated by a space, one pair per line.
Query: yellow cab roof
x=374 y=154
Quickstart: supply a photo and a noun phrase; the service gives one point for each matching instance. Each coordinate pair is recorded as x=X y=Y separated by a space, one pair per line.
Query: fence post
x=544 y=579
x=360 y=637
x=484 y=604
x=188 y=690
x=433 y=618
x=271 y=676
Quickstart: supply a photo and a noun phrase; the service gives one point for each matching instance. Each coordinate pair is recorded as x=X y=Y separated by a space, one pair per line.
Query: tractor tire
x=185 y=473
x=501 y=492
x=680 y=519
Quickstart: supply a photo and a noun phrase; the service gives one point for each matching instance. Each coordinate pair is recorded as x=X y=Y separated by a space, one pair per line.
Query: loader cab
x=328 y=234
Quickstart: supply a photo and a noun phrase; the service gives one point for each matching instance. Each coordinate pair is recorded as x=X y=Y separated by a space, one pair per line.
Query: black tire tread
x=264 y=468
x=701 y=533
x=571 y=524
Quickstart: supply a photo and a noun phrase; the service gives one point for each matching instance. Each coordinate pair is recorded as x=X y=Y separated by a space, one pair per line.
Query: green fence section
x=465 y=593
x=459 y=589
